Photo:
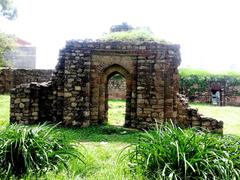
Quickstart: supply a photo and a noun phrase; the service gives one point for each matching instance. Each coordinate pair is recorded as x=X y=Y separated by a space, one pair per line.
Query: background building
x=23 y=57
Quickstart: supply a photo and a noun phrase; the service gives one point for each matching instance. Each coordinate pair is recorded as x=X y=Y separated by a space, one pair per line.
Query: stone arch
x=107 y=73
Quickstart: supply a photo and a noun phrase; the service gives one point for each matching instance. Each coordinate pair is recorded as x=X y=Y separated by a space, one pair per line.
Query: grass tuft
x=33 y=150
x=170 y=152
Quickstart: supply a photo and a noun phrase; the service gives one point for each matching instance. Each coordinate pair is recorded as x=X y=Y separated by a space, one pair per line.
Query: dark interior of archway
x=116 y=95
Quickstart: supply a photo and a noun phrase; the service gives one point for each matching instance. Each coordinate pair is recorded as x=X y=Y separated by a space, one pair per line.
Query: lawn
x=116 y=112
x=102 y=144
x=4 y=109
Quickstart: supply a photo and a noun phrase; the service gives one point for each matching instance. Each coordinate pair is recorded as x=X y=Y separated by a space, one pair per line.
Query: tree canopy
x=7 y=9
x=6 y=41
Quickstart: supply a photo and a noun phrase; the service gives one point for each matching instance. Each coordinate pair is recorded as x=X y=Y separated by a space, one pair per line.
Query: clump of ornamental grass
x=33 y=150
x=170 y=152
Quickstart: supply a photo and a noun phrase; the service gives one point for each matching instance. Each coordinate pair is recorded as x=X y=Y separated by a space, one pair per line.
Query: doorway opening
x=116 y=99
x=216 y=98
x=217 y=94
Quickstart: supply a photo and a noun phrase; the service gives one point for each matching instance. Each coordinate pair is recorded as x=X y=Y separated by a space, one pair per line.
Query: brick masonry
x=78 y=93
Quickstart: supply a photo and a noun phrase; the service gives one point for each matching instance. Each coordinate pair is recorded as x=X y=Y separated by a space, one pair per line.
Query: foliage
x=117 y=77
x=7 y=43
x=34 y=150
x=170 y=152
x=7 y=9
x=185 y=72
x=116 y=112
x=137 y=34
x=194 y=81
x=104 y=142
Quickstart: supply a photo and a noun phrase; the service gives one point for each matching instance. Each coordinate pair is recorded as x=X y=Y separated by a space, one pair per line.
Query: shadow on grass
x=107 y=133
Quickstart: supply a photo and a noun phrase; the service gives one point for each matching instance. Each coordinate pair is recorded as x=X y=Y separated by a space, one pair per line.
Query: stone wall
x=117 y=88
x=10 y=78
x=228 y=87
x=78 y=92
x=23 y=57
x=31 y=103
x=189 y=117
x=231 y=93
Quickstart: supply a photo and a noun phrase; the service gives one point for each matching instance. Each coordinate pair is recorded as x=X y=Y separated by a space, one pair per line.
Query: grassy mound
x=138 y=34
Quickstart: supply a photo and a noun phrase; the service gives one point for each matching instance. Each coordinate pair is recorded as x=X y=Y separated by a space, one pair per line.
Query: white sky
x=207 y=30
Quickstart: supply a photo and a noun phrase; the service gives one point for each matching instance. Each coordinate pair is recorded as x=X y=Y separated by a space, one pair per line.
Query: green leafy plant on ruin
x=125 y=32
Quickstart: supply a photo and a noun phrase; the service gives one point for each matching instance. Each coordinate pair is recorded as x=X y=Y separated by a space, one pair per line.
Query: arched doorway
x=103 y=92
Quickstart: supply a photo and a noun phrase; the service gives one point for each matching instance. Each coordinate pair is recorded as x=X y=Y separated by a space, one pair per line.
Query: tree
x=7 y=9
x=6 y=41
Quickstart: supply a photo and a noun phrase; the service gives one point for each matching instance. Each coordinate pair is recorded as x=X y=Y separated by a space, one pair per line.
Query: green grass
x=34 y=150
x=230 y=115
x=4 y=109
x=116 y=112
x=169 y=152
x=103 y=143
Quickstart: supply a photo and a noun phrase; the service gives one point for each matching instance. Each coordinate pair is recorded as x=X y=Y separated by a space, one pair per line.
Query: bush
x=170 y=152
x=33 y=150
x=138 y=34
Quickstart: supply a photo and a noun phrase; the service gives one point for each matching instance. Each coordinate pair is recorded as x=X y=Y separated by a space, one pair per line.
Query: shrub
x=137 y=34
x=33 y=150
x=170 y=152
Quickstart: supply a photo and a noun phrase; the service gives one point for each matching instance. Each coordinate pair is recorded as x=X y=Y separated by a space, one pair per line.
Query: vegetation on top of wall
x=194 y=81
x=125 y=32
x=184 y=72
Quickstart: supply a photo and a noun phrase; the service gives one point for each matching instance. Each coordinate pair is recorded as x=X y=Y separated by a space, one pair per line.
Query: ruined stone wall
x=6 y=83
x=230 y=91
x=31 y=103
x=78 y=92
x=10 y=78
x=232 y=94
x=189 y=117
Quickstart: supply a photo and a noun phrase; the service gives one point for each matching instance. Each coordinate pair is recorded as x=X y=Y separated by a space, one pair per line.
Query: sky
x=208 y=31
